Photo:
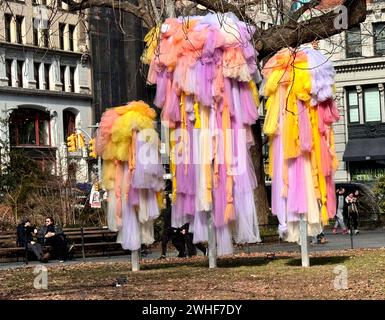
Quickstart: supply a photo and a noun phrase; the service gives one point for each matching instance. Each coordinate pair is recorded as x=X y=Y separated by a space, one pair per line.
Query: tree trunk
x=260 y=195
x=15 y=214
x=63 y=206
x=170 y=8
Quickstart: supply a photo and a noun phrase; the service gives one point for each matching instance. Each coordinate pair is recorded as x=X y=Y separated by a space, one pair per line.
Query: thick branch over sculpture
x=294 y=34
x=269 y=41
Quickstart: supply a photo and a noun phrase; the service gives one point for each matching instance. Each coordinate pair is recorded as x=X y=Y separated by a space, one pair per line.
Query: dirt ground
x=244 y=276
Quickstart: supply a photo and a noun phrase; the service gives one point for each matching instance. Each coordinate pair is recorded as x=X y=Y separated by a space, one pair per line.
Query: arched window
x=68 y=123
x=30 y=127
x=72 y=169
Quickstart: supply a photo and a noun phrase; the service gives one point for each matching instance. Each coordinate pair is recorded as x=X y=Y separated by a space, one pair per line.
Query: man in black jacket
x=52 y=235
x=25 y=233
x=170 y=233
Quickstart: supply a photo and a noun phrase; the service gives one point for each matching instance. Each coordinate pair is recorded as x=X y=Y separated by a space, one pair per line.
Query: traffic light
x=81 y=141
x=71 y=143
x=91 y=149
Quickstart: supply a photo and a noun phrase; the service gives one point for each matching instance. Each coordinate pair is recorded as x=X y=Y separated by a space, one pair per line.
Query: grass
x=243 y=276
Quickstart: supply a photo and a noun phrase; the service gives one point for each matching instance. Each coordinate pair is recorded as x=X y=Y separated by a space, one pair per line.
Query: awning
x=365 y=149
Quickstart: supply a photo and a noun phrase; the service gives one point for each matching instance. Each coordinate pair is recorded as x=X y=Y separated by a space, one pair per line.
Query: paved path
x=365 y=239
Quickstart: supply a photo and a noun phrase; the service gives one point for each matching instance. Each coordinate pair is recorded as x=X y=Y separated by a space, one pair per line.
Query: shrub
x=379 y=191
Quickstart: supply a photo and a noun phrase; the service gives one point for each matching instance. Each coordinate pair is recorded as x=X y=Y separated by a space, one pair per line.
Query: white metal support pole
x=212 y=242
x=303 y=240
x=99 y=161
x=99 y=169
x=135 y=260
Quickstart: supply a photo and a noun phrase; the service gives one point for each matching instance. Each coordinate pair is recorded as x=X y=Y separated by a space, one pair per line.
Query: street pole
x=99 y=160
x=303 y=240
x=212 y=241
x=99 y=169
x=350 y=221
x=26 y=245
x=135 y=260
x=83 y=251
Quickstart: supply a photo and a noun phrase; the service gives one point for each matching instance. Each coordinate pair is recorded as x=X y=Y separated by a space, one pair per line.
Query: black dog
x=182 y=239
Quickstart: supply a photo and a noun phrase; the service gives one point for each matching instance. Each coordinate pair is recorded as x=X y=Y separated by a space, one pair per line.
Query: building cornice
x=46 y=93
x=35 y=49
x=356 y=65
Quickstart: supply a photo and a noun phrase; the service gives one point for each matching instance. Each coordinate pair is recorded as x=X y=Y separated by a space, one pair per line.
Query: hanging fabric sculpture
x=132 y=171
x=300 y=111
x=205 y=71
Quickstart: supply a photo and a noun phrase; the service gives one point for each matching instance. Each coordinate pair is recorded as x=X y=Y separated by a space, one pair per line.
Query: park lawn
x=243 y=276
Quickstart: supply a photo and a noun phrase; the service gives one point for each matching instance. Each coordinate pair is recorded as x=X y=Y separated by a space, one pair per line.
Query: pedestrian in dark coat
x=52 y=235
x=352 y=214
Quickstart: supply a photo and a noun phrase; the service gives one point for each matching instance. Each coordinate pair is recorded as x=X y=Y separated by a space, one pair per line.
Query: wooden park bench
x=82 y=242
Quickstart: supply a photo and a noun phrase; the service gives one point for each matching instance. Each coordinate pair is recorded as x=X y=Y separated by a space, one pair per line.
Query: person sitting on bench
x=25 y=233
x=52 y=235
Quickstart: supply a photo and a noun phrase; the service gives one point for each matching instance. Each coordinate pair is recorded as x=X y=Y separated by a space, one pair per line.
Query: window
x=35 y=33
x=8 y=70
x=379 y=38
x=61 y=35
x=7 y=27
x=62 y=77
x=72 y=79
x=20 y=73
x=68 y=123
x=19 y=34
x=36 y=67
x=372 y=104
x=354 y=115
x=71 y=172
x=29 y=127
x=71 y=31
x=46 y=76
x=45 y=34
x=353 y=43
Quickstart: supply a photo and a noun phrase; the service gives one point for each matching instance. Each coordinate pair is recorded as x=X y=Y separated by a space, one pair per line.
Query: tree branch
x=170 y=8
x=187 y=9
x=321 y=27
x=291 y=34
x=139 y=11
x=225 y=6
x=156 y=12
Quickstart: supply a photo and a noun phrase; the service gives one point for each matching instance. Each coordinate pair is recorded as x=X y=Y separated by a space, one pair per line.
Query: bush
x=379 y=191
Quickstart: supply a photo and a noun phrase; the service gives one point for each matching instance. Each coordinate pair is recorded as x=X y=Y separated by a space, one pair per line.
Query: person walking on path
x=352 y=216
x=167 y=232
x=341 y=207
